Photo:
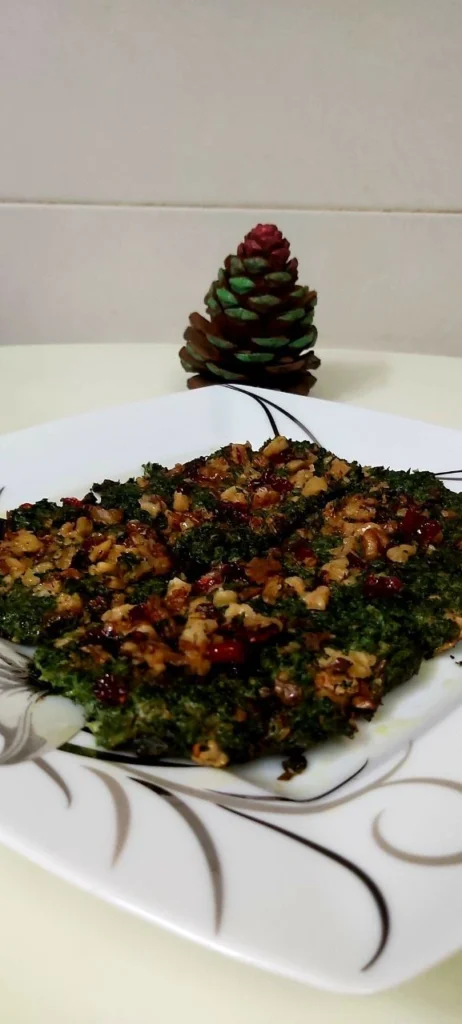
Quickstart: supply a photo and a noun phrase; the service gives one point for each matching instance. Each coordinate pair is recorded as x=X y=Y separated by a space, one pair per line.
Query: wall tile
x=89 y=274
x=344 y=103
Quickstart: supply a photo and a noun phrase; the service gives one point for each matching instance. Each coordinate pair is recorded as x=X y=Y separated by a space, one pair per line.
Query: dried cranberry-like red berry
x=412 y=522
x=260 y=636
x=111 y=689
x=73 y=502
x=98 y=605
x=94 y=635
x=225 y=651
x=382 y=514
x=80 y=560
x=281 y=484
x=415 y=524
x=138 y=636
x=382 y=586
x=269 y=478
x=233 y=571
x=192 y=468
x=302 y=550
x=430 y=532
x=355 y=560
x=236 y=514
x=208 y=581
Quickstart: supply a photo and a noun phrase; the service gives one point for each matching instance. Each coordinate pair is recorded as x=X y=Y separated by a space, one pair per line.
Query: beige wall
x=141 y=138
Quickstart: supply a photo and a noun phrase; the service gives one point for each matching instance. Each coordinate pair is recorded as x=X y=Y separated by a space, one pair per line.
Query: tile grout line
x=217 y=207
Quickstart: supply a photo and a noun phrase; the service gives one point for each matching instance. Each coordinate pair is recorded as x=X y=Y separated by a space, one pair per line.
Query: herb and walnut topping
x=244 y=603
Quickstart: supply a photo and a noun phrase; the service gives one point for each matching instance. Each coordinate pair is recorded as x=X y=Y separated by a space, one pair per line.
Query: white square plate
x=348 y=877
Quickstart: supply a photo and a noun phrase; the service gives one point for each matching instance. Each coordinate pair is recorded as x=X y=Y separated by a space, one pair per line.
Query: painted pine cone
x=261 y=328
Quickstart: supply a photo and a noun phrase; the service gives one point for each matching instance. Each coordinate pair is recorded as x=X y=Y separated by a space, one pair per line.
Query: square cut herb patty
x=398 y=539
x=209 y=676
x=63 y=564
x=244 y=603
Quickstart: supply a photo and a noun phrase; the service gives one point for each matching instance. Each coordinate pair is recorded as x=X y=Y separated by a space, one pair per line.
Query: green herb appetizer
x=247 y=602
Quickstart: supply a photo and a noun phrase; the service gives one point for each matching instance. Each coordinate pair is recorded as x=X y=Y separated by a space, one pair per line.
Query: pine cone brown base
x=301 y=386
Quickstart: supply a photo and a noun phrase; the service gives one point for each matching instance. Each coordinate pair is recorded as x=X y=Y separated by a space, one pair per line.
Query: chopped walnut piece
x=69 y=604
x=314 y=486
x=339 y=468
x=13 y=567
x=332 y=658
x=222 y=598
x=50 y=587
x=259 y=569
x=83 y=526
x=65 y=559
x=108 y=516
x=214 y=469
x=194 y=640
x=289 y=692
x=401 y=553
x=373 y=542
x=351 y=664
x=361 y=664
x=98 y=551
x=211 y=755
x=67 y=530
x=180 y=502
x=240 y=453
x=233 y=494
x=118 y=613
x=25 y=543
x=451 y=643
x=177 y=595
x=364 y=702
x=302 y=477
x=330 y=685
x=252 y=619
x=271 y=589
x=296 y=583
x=264 y=497
x=151 y=504
x=156 y=654
x=336 y=569
x=30 y=579
x=358 y=507
x=97 y=653
x=275 y=447
x=318 y=599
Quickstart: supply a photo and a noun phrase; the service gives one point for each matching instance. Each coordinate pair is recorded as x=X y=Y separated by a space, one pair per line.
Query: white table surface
x=66 y=957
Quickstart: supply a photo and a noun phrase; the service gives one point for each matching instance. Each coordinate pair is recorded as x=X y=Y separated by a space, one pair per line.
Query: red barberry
x=226 y=651
x=73 y=502
x=382 y=586
x=301 y=550
x=111 y=689
x=209 y=581
x=412 y=522
x=430 y=532
x=260 y=636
